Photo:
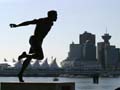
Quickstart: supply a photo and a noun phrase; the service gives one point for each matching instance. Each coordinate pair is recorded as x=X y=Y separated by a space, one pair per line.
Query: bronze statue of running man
x=43 y=26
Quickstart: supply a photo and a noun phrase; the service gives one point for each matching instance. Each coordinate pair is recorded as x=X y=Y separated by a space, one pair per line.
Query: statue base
x=37 y=86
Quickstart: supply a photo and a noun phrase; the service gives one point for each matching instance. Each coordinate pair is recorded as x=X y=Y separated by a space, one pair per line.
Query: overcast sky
x=74 y=17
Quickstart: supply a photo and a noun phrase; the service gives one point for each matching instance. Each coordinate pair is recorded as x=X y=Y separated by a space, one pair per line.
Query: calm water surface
x=80 y=83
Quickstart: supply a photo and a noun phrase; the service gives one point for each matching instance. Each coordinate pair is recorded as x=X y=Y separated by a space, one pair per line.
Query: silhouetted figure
x=96 y=78
x=43 y=26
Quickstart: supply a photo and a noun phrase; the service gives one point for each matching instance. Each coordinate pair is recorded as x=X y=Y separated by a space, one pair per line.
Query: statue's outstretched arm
x=23 y=23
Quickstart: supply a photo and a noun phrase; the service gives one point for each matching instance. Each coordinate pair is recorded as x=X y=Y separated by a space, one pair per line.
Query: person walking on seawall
x=43 y=26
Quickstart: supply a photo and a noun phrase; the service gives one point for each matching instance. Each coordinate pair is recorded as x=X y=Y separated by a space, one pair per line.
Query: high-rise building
x=107 y=55
x=111 y=57
x=85 y=56
x=75 y=51
x=89 y=51
x=106 y=37
x=82 y=55
x=87 y=37
x=100 y=54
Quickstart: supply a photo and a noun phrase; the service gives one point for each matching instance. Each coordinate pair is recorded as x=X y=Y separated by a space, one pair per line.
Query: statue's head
x=52 y=15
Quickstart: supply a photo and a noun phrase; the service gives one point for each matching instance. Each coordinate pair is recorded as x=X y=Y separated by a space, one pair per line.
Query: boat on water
x=55 y=79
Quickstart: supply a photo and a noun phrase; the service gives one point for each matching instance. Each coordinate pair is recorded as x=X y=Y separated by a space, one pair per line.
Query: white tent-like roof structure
x=13 y=60
x=18 y=64
x=45 y=64
x=54 y=64
x=36 y=64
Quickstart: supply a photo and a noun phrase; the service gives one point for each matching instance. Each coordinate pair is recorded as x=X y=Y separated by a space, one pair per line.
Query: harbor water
x=80 y=83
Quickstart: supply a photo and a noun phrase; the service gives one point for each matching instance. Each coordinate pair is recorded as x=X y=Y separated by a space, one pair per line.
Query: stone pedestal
x=37 y=86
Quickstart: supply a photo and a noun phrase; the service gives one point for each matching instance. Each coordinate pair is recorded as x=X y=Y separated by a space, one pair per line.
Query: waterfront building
x=100 y=54
x=108 y=55
x=85 y=56
x=82 y=56
x=4 y=66
x=75 y=51
x=87 y=36
x=89 y=47
x=111 y=57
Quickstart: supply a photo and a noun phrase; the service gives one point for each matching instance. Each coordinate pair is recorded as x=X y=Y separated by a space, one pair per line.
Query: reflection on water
x=80 y=83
